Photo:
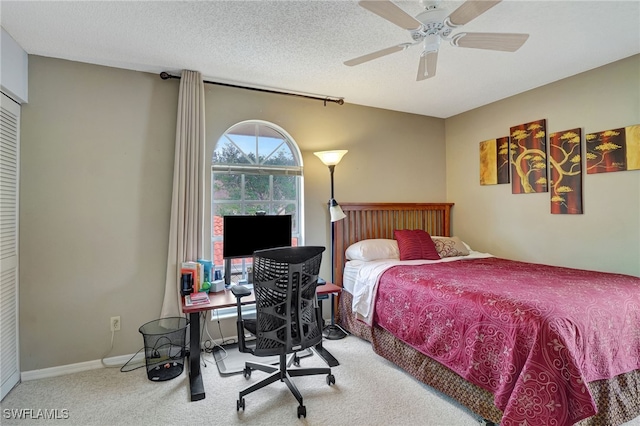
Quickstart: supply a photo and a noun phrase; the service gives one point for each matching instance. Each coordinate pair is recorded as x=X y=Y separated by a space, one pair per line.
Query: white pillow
x=373 y=249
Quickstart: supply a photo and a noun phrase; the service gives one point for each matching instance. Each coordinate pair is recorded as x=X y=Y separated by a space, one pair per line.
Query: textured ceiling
x=300 y=46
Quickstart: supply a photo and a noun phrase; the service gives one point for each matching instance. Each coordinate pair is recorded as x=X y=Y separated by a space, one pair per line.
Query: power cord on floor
x=163 y=351
x=224 y=341
x=140 y=364
x=104 y=364
x=340 y=327
x=211 y=346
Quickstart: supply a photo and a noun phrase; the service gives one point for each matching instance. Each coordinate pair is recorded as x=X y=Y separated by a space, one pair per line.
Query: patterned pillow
x=450 y=246
x=415 y=244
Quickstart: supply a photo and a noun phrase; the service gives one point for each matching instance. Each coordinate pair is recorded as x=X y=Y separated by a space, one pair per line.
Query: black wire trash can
x=164 y=347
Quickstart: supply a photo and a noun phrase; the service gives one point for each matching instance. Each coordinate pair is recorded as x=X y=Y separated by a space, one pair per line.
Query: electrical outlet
x=115 y=323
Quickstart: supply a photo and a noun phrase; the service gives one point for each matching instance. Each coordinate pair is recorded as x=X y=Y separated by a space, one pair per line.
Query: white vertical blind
x=9 y=173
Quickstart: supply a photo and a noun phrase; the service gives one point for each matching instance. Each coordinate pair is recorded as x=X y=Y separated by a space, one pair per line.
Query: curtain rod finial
x=165 y=75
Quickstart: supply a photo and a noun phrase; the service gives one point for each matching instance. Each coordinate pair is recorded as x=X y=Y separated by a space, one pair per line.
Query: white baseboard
x=116 y=361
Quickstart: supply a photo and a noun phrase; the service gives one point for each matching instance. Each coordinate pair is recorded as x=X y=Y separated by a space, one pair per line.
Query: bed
x=537 y=385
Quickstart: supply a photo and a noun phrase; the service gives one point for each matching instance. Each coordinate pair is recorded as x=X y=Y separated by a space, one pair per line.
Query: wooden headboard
x=378 y=220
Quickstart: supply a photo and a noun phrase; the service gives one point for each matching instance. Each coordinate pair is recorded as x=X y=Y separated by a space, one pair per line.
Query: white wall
x=520 y=226
x=14 y=71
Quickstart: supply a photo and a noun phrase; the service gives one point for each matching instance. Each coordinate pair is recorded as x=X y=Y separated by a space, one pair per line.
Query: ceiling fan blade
x=470 y=10
x=507 y=42
x=392 y=13
x=427 y=65
x=375 y=55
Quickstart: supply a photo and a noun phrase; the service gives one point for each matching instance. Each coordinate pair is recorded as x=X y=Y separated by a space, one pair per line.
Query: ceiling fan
x=432 y=25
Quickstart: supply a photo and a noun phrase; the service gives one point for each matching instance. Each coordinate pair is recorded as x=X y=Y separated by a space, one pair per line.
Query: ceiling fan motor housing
x=432 y=21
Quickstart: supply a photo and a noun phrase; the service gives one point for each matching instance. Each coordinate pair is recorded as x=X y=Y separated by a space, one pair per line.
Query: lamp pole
x=332 y=167
x=330 y=159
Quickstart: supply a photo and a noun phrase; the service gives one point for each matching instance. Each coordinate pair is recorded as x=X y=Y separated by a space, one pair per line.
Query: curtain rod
x=340 y=101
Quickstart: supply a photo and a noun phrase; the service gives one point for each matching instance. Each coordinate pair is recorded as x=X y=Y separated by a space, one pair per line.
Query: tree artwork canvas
x=566 y=172
x=494 y=161
x=613 y=150
x=528 y=158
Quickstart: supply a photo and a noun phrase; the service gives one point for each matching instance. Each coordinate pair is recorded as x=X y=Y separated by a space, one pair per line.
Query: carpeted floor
x=368 y=391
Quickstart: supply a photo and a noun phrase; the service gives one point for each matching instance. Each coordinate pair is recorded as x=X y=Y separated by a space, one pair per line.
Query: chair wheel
x=296 y=361
x=302 y=411
x=331 y=379
x=246 y=372
x=240 y=404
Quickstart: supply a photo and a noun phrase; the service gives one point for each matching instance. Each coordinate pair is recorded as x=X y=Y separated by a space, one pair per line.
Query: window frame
x=252 y=169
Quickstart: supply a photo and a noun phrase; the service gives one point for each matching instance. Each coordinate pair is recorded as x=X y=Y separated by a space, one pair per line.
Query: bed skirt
x=616 y=399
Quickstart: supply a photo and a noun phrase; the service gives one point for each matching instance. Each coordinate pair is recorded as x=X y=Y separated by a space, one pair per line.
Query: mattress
x=350 y=274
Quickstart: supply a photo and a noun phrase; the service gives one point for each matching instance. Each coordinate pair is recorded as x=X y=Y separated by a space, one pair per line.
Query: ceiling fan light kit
x=433 y=25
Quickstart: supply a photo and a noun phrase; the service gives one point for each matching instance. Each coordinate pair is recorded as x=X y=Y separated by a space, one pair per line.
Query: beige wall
x=392 y=156
x=96 y=171
x=607 y=236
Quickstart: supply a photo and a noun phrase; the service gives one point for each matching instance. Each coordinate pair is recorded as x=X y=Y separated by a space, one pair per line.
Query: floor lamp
x=331 y=159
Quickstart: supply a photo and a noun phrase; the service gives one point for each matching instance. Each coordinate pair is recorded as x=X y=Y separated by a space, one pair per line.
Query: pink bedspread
x=533 y=335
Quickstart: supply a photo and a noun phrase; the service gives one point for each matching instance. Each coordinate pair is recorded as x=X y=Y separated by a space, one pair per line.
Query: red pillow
x=415 y=244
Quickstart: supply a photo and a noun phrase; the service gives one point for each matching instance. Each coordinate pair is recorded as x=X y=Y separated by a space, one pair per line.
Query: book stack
x=193 y=299
x=197 y=272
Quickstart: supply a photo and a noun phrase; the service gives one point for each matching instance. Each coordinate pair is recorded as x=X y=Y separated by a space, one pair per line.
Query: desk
x=226 y=299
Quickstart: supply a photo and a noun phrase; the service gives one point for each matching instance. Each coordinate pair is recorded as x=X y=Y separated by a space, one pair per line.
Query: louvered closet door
x=9 y=162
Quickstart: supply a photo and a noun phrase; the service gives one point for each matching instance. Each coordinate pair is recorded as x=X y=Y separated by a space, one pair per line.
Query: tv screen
x=244 y=234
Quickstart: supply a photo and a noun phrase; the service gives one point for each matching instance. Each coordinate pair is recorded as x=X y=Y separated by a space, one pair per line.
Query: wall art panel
x=613 y=150
x=494 y=161
x=565 y=163
x=528 y=158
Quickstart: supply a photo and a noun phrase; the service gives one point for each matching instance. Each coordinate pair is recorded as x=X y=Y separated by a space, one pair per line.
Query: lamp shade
x=331 y=158
x=335 y=211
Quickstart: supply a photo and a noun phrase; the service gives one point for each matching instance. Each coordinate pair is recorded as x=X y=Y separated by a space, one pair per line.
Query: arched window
x=256 y=166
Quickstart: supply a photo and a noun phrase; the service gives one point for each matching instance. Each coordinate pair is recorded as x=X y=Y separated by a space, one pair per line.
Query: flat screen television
x=244 y=234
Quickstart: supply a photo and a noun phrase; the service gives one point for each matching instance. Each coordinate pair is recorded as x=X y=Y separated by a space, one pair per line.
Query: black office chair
x=284 y=282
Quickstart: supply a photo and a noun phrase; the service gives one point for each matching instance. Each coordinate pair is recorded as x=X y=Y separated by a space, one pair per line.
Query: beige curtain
x=187 y=204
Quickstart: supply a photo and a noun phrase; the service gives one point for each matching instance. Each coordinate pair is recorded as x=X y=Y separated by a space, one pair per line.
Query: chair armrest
x=240 y=291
